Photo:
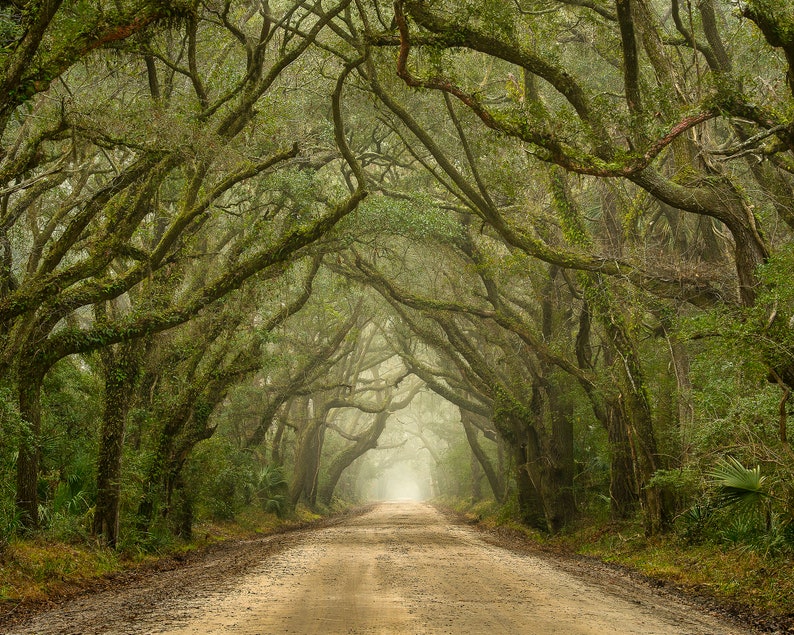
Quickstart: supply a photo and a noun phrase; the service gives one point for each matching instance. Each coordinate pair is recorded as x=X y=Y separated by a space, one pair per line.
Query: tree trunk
x=623 y=494
x=561 y=504
x=521 y=439
x=530 y=504
x=546 y=464
x=275 y=451
x=307 y=462
x=120 y=369
x=476 y=478
x=367 y=441
x=490 y=473
x=313 y=481
x=182 y=510
x=153 y=486
x=641 y=425
x=27 y=499
x=635 y=407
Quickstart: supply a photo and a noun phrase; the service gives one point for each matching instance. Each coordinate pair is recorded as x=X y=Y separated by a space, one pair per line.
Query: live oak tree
x=391 y=395
x=154 y=199
x=365 y=377
x=652 y=154
x=185 y=375
x=571 y=202
x=617 y=397
x=654 y=144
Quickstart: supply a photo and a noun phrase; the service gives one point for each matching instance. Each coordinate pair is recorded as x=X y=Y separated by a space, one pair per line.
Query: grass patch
x=35 y=569
x=306 y=515
x=734 y=576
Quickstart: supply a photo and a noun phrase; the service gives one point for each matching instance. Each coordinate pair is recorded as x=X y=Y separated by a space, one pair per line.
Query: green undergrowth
x=39 y=567
x=735 y=577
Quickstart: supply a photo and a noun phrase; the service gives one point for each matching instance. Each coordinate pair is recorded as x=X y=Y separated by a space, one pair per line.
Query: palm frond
x=738 y=485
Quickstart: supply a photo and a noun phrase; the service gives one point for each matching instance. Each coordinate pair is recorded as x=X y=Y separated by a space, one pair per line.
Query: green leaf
x=738 y=485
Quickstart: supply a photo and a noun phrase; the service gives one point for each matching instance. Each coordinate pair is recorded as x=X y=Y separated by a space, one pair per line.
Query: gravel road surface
x=399 y=568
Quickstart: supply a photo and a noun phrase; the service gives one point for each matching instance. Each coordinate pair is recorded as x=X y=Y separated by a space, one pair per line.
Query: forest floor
x=398 y=568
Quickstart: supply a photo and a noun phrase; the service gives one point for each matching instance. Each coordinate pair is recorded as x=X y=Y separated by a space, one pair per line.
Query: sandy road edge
x=246 y=552
x=596 y=570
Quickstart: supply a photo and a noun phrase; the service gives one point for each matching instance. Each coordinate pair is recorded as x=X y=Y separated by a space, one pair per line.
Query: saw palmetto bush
x=755 y=516
x=272 y=489
x=740 y=487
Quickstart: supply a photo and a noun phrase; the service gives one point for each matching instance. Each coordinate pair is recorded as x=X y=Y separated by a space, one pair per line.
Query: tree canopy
x=544 y=244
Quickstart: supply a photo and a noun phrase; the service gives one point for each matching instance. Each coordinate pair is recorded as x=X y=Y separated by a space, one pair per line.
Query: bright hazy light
x=401 y=482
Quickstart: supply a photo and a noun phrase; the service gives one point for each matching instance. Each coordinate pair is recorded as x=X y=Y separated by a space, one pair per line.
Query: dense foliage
x=533 y=251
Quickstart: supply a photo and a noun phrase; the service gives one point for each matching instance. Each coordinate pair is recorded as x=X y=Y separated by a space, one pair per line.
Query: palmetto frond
x=739 y=485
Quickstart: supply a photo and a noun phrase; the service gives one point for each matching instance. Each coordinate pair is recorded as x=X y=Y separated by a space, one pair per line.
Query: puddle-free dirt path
x=400 y=568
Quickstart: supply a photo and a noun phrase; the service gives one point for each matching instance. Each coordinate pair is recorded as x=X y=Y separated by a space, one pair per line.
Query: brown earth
x=399 y=568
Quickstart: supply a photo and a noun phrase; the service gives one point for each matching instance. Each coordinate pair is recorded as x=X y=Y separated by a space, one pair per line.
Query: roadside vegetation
x=740 y=579
x=49 y=567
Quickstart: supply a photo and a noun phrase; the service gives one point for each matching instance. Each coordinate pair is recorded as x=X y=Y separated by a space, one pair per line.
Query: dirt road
x=400 y=568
